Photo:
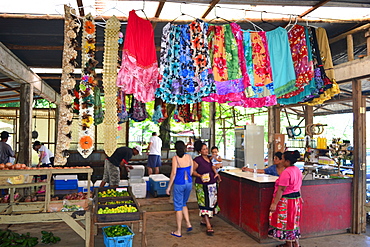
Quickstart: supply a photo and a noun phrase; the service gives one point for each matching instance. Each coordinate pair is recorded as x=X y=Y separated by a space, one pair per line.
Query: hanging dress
x=186 y=75
x=225 y=65
x=258 y=68
x=303 y=70
x=138 y=74
x=281 y=61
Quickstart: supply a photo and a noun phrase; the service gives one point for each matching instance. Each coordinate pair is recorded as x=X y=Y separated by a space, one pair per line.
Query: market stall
x=326 y=210
x=16 y=212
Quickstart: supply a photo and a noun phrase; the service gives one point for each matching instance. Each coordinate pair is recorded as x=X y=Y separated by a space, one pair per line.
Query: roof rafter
x=210 y=7
x=316 y=6
x=80 y=7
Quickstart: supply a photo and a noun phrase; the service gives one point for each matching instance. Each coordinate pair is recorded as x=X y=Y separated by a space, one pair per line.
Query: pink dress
x=139 y=69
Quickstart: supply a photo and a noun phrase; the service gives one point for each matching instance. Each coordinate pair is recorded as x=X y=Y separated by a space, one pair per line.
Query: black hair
x=214 y=147
x=154 y=133
x=292 y=156
x=198 y=144
x=180 y=148
x=279 y=155
x=36 y=143
x=4 y=134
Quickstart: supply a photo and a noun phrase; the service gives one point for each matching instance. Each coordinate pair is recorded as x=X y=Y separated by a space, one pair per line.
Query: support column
x=367 y=35
x=350 y=52
x=308 y=116
x=25 y=124
x=212 y=123
x=359 y=158
x=273 y=128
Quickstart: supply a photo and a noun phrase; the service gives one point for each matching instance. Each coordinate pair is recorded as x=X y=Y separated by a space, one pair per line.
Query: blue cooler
x=65 y=182
x=158 y=184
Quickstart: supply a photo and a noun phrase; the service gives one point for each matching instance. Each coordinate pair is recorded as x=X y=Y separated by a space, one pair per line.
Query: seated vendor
x=275 y=170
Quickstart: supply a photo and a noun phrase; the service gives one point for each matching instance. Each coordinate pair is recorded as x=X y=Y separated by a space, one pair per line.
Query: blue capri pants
x=181 y=193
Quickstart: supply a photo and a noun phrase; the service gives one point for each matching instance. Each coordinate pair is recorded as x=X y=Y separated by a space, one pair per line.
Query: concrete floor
x=160 y=224
x=161 y=221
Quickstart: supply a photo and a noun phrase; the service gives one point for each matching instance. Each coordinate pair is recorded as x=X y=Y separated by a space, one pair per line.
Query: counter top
x=261 y=178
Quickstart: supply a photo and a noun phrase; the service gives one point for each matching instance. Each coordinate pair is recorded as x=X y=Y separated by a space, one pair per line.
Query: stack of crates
x=136 y=181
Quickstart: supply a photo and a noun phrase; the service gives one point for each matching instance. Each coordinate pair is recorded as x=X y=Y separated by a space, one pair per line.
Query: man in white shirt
x=154 y=154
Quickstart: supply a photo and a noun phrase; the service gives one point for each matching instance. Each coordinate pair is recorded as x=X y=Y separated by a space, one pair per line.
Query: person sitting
x=275 y=170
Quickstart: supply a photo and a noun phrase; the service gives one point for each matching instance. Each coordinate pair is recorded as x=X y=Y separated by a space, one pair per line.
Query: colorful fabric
x=98 y=107
x=281 y=61
x=225 y=65
x=285 y=221
x=207 y=199
x=138 y=111
x=122 y=113
x=256 y=96
x=310 y=89
x=139 y=69
x=291 y=178
x=302 y=68
x=185 y=67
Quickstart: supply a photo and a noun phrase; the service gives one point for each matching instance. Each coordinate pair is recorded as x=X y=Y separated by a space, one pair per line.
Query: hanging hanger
x=182 y=13
x=142 y=10
x=309 y=25
x=253 y=24
x=218 y=17
x=290 y=24
x=77 y=17
x=102 y=13
x=263 y=21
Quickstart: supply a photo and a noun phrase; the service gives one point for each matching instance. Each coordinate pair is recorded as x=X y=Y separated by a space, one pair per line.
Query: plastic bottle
x=255 y=170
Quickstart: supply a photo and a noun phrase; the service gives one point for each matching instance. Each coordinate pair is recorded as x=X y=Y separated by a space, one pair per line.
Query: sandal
x=174 y=234
x=189 y=229
x=203 y=223
x=210 y=232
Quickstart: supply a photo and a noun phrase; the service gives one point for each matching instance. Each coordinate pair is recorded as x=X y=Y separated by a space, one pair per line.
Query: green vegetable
x=49 y=238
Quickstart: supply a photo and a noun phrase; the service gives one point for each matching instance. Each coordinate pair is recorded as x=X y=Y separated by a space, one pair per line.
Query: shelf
x=9 y=186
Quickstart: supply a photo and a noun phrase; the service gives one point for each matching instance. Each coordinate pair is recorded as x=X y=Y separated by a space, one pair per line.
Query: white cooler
x=136 y=181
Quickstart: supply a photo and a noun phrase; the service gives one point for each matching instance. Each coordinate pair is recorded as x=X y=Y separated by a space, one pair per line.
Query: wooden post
x=273 y=128
x=212 y=123
x=25 y=124
x=367 y=35
x=308 y=116
x=359 y=158
x=224 y=134
x=350 y=52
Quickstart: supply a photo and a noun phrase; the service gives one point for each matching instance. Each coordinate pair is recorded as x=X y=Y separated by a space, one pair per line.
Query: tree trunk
x=165 y=127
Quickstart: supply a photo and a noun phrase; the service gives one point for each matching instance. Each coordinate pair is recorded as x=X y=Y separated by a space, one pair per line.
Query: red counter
x=245 y=203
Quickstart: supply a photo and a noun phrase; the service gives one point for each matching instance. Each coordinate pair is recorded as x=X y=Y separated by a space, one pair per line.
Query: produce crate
x=118 y=216
x=121 y=241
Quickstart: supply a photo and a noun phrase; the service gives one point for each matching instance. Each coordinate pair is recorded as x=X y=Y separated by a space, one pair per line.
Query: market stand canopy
x=36 y=40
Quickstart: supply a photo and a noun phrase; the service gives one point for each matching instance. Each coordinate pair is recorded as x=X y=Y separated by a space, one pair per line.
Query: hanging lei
x=86 y=88
x=71 y=28
x=112 y=29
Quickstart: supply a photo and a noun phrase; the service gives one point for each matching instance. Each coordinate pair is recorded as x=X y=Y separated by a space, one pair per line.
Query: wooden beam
x=344 y=35
x=6 y=80
x=9 y=101
x=44 y=47
x=316 y=6
x=308 y=116
x=9 y=96
x=210 y=7
x=15 y=69
x=356 y=69
x=80 y=8
x=159 y=8
x=154 y=19
x=14 y=89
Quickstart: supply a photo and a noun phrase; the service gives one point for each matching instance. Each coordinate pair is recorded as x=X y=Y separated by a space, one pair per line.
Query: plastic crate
x=121 y=241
